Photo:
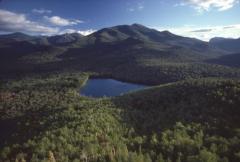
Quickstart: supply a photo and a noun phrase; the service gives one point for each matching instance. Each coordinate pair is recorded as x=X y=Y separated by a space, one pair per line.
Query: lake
x=108 y=88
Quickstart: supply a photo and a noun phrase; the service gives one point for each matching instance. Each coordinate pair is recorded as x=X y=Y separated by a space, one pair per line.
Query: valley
x=183 y=103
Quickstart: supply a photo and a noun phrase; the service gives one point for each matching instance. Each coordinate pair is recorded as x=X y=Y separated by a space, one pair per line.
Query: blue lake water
x=108 y=88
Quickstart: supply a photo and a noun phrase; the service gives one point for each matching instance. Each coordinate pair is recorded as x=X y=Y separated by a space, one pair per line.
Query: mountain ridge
x=19 y=35
x=227 y=44
x=139 y=50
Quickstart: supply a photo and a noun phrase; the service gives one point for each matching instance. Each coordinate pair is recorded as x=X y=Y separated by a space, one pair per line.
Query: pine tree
x=160 y=158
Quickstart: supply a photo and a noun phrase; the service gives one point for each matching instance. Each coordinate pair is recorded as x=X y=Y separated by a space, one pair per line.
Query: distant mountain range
x=43 y=40
x=227 y=44
x=111 y=51
x=123 y=32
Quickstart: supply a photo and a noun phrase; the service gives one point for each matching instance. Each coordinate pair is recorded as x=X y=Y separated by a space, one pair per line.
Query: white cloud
x=56 y=20
x=69 y=31
x=207 y=32
x=41 y=11
x=86 y=32
x=131 y=9
x=206 y=5
x=14 y=22
x=135 y=7
x=140 y=6
x=82 y=32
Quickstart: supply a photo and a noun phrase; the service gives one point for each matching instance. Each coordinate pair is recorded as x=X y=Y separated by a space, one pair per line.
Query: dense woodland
x=189 y=114
x=45 y=119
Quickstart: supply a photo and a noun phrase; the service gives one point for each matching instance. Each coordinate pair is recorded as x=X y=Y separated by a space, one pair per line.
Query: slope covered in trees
x=227 y=44
x=231 y=60
x=191 y=118
x=45 y=118
x=129 y=52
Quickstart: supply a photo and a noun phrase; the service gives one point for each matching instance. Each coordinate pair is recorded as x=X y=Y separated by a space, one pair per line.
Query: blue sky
x=202 y=19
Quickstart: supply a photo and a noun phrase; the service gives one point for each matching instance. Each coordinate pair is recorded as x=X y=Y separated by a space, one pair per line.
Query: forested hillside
x=45 y=118
x=189 y=113
x=128 y=52
x=226 y=44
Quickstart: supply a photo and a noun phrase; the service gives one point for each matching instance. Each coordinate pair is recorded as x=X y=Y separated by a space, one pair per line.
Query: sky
x=202 y=19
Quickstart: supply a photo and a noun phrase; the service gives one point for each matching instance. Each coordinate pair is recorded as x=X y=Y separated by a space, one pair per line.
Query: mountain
x=122 y=32
x=129 y=52
x=232 y=46
x=17 y=36
x=232 y=60
x=137 y=31
x=199 y=101
x=227 y=44
x=21 y=37
x=194 y=117
x=64 y=39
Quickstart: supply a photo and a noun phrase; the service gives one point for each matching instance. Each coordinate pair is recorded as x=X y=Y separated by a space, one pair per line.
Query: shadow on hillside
x=232 y=60
x=30 y=124
x=159 y=108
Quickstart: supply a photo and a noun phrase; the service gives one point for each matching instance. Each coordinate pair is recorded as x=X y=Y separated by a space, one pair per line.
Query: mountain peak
x=220 y=39
x=138 y=25
x=77 y=34
x=217 y=39
x=167 y=33
x=16 y=34
x=72 y=34
x=227 y=44
x=66 y=38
